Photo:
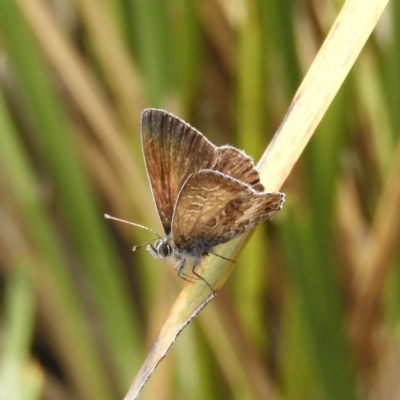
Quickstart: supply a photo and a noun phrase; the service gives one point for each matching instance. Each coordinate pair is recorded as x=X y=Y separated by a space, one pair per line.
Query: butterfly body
x=205 y=195
x=182 y=259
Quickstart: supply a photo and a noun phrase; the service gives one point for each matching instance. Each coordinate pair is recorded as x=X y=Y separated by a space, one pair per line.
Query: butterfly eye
x=163 y=248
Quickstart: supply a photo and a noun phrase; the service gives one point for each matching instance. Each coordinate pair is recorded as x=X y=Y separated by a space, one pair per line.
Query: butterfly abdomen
x=198 y=246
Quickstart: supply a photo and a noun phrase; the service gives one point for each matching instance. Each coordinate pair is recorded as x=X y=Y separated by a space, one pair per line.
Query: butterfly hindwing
x=247 y=212
x=238 y=165
x=214 y=208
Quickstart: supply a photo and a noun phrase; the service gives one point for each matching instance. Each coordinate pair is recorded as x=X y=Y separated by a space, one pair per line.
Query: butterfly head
x=162 y=248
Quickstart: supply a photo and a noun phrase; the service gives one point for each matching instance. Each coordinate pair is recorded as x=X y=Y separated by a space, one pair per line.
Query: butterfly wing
x=173 y=151
x=248 y=212
x=213 y=208
x=238 y=165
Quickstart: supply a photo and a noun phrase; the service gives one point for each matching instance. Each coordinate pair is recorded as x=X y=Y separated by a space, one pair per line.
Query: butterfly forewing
x=214 y=208
x=173 y=151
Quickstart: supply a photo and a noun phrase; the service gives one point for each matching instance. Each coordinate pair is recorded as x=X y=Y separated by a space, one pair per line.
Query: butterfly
x=205 y=195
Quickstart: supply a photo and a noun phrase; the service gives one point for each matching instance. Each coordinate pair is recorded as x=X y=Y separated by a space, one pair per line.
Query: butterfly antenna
x=134 y=248
x=138 y=225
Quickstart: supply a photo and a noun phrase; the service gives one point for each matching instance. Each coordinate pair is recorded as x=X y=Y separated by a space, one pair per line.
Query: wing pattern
x=238 y=165
x=213 y=208
x=173 y=151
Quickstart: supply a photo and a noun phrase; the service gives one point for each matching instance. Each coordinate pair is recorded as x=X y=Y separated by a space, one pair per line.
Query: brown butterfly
x=205 y=195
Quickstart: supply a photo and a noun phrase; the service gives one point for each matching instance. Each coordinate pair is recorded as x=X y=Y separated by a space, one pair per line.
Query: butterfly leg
x=195 y=265
x=224 y=258
x=181 y=274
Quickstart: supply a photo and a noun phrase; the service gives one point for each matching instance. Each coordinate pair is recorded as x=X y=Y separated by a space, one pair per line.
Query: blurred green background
x=311 y=310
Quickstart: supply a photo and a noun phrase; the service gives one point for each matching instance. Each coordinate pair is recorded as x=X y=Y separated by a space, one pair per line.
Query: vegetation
x=311 y=309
